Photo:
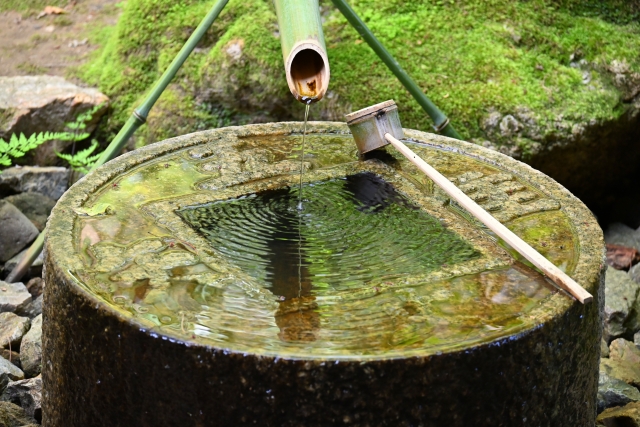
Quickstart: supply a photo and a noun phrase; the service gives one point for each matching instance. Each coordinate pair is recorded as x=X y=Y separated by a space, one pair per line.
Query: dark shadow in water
x=372 y=194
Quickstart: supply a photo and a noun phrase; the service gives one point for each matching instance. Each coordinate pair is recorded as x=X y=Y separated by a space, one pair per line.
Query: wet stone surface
x=374 y=263
x=209 y=257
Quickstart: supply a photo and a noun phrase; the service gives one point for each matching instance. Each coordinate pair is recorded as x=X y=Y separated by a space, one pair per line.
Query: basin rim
x=588 y=268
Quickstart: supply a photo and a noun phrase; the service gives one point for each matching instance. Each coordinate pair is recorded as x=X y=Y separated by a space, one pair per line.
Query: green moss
x=471 y=57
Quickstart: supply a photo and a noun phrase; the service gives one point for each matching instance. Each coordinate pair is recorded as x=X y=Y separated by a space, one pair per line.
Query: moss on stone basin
x=184 y=287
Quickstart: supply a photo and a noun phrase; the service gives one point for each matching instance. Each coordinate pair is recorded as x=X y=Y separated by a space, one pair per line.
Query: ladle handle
x=554 y=273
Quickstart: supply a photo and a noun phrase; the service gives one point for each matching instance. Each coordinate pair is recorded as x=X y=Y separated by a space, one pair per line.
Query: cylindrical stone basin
x=200 y=281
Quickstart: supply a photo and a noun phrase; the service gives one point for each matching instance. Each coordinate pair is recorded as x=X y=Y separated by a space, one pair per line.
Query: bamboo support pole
x=303 y=49
x=137 y=119
x=441 y=122
x=554 y=273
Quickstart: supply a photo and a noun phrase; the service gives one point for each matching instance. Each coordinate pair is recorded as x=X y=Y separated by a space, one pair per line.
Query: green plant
x=83 y=159
x=19 y=145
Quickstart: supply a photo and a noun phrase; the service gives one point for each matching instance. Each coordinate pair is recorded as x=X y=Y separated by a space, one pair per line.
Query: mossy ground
x=471 y=57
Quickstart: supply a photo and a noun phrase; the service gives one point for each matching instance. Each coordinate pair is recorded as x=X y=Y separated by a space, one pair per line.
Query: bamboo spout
x=303 y=49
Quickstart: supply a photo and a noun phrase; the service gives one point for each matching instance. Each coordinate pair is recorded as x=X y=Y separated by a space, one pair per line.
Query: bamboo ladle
x=379 y=125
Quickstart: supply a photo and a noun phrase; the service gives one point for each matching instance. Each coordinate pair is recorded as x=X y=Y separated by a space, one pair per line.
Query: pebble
x=13 y=296
x=35 y=286
x=623 y=362
x=12 y=415
x=27 y=394
x=620 y=314
x=604 y=348
x=634 y=273
x=49 y=181
x=614 y=392
x=8 y=372
x=31 y=349
x=11 y=356
x=34 y=206
x=12 y=329
x=17 y=230
x=32 y=309
x=626 y=416
x=620 y=234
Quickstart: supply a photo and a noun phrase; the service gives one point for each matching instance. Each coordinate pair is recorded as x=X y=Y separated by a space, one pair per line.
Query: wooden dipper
x=379 y=125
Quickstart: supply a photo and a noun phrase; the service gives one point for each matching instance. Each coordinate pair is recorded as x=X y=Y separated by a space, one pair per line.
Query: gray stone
x=509 y=126
x=12 y=329
x=604 y=348
x=27 y=394
x=624 y=350
x=623 y=362
x=50 y=181
x=626 y=416
x=636 y=339
x=634 y=273
x=620 y=234
x=35 y=270
x=33 y=309
x=35 y=286
x=621 y=370
x=31 y=349
x=16 y=231
x=621 y=293
x=34 y=206
x=8 y=372
x=31 y=104
x=615 y=392
x=13 y=296
x=11 y=356
x=11 y=415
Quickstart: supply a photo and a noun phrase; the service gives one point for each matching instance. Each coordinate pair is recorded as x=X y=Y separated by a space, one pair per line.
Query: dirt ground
x=55 y=43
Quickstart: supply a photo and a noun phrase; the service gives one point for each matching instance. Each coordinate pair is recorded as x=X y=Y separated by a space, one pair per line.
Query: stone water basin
x=194 y=282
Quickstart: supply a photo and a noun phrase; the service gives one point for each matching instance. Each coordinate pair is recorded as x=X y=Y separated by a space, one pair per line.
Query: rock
x=626 y=416
x=32 y=104
x=33 y=309
x=35 y=270
x=13 y=296
x=621 y=370
x=35 y=286
x=34 y=206
x=636 y=339
x=604 y=348
x=11 y=356
x=27 y=394
x=509 y=126
x=12 y=329
x=620 y=234
x=8 y=372
x=634 y=273
x=624 y=350
x=620 y=304
x=11 y=415
x=615 y=392
x=49 y=181
x=16 y=231
x=31 y=349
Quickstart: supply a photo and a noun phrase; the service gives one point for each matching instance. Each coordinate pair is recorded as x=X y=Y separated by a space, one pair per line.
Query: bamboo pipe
x=304 y=52
x=523 y=248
